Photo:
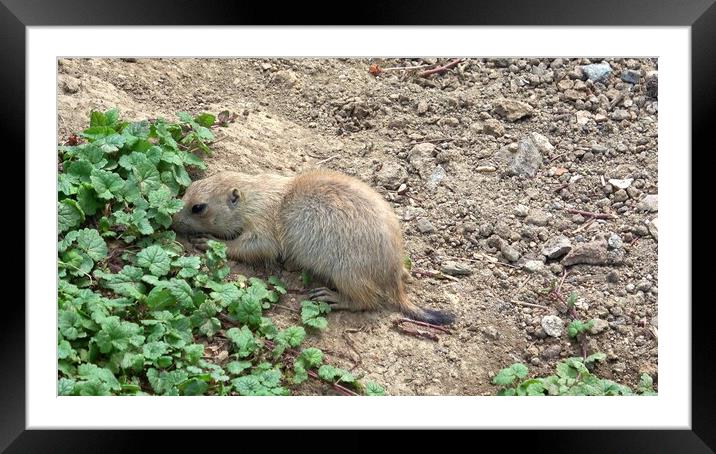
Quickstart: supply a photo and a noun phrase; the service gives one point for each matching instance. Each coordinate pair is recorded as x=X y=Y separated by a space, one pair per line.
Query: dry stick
x=322 y=161
x=416 y=322
x=522 y=303
x=441 y=69
x=435 y=274
x=352 y=345
x=565 y=185
x=583 y=226
x=399 y=68
x=417 y=332
x=591 y=214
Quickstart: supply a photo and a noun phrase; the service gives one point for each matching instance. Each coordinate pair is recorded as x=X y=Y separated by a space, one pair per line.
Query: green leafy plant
x=573 y=378
x=135 y=312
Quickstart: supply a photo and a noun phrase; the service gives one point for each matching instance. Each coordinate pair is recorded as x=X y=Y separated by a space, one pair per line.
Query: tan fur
x=328 y=223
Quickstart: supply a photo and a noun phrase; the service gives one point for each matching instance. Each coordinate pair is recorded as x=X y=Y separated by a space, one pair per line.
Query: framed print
x=414 y=217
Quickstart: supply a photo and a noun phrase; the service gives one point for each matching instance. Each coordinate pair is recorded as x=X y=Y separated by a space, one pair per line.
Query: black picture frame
x=700 y=16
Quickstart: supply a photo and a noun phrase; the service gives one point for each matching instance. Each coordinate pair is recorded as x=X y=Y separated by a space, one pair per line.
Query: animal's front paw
x=201 y=242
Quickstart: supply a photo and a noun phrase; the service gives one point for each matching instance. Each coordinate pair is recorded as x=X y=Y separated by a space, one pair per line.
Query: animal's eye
x=198 y=208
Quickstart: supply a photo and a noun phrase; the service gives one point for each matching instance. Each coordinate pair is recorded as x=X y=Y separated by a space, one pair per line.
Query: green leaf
x=319 y=323
x=328 y=372
x=207 y=120
x=236 y=367
x=147 y=178
x=194 y=352
x=249 y=312
x=81 y=170
x=243 y=339
x=163 y=200
x=106 y=184
x=65 y=387
x=92 y=244
x=293 y=336
x=87 y=199
x=103 y=375
x=155 y=259
x=194 y=387
x=374 y=389
x=126 y=283
x=69 y=215
x=189 y=266
x=153 y=350
x=504 y=377
x=312 y=357
x=182 y=292
x=249 y=385
x=118 y=335
x=519 y=369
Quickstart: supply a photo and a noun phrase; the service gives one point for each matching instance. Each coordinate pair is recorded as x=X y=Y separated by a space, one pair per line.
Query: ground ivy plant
x=135 y=311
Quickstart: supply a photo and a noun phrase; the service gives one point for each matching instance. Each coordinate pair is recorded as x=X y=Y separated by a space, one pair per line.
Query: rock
x=436 y=177
x=425 y=226
x=422 y=107
x=524 y=161
x=391 y=175
x=552 y=352
x=70 y=85
x=552 y=325
x=537 y=217
x=651 y=83
x=509 y=253
x=597 y=71
x=493 y=127
x=654 y=228
x=533 y=266
x=287 y=78
x=421 y=158
x=615 y=241
x=541 y=142
x=593 y=253
x=491 y=332
x=583 y=117
x=456 y=269
x=621 y=183
x=619 y=115
x=650 y=203
x=599 y=326
x=450 y=122
x=521 y=211
x=620 y=196
x=485 y=169
x=575 y=95
x=631 y=76
x=512 y=110
x=402 y=189
x=556 y=247
x=565 y=84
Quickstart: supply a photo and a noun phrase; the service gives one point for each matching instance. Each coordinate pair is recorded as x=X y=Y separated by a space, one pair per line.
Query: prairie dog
x=330 y=224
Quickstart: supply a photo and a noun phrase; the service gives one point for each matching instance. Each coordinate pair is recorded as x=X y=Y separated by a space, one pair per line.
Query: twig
x=522 y=285
x=565 y=185
x=286 y=308
x=616 y=101
x=348 y=339
x=522 y=303
x=322 y=161
x=583 y=226
x=417 y=332
x=591 y=214
x=435 y=274
x=400 y=68
x=416 y=322
x=441 y=69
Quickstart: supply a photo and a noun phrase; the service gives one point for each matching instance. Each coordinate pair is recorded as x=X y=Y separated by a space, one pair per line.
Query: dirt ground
x=457 y=166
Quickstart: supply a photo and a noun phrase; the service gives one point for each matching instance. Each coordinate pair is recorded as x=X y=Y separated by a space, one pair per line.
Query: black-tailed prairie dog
x=330 y=224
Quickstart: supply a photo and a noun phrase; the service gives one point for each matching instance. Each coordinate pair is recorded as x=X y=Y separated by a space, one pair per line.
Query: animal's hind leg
x=335 y=299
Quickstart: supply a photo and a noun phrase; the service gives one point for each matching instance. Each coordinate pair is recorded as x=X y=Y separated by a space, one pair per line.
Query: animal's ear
x=235 y=197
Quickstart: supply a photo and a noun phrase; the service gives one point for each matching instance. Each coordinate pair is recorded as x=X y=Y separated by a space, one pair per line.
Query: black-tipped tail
x=432 y=316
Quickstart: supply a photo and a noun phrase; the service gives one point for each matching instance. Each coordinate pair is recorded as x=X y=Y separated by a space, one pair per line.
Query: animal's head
x=212 y=205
